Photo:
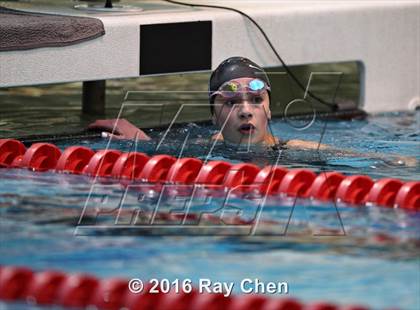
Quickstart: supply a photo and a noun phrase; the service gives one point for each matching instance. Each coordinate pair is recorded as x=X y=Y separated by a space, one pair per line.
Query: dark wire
x=286 y=67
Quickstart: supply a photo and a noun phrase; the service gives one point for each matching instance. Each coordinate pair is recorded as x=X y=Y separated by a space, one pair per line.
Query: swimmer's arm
x=387 y=158
x=119 y=129
x=308 y=145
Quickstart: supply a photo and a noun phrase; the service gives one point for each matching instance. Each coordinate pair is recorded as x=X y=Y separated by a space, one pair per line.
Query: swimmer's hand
x=119 y=129
x=403 y=161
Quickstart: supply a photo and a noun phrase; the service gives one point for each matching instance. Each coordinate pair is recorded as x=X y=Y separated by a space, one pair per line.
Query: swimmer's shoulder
x=296 y=144
x=304 y=144
x=217 y=136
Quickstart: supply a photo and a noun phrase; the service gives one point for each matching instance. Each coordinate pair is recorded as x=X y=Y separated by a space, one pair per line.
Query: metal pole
x=108 y=4
x=93 y=97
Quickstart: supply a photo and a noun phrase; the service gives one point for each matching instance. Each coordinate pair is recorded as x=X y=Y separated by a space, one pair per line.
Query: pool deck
x=383 y=36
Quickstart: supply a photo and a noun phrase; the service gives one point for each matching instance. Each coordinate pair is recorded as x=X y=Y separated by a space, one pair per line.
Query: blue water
x=326 y=251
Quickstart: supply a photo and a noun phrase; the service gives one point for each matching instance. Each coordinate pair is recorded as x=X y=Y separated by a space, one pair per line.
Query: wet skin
x=244 y=118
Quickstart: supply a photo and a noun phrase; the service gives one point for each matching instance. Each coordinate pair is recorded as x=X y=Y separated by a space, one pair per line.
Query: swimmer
x=239 y=97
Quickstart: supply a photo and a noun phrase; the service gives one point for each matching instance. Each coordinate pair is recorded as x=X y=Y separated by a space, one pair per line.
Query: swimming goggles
x=231 y=89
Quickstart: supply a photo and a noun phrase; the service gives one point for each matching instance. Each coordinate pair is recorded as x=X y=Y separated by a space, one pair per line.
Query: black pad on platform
x=175 y=47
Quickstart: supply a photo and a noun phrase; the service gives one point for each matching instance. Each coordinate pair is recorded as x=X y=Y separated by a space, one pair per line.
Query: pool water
x=326 y=251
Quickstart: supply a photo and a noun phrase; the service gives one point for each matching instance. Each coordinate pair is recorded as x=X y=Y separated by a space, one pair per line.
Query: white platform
x=383 y=35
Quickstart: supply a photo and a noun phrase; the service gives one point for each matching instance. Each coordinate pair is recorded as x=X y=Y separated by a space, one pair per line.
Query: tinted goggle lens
x=232 y=89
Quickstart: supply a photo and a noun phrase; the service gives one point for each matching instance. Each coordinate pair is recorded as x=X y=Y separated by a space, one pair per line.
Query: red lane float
x=297 y=182
x=14 y=282
x=81 y=290
x=143 y=300
x=408 y=196
x=129 y=165
x=76 y=290
x=383 y=192
x=282 y=304
x=114 y=290
x=321 y=306
x=211 y=302
x=213 y=173
x=248 y=302
x=176 y=301
x=43 y=289
x=74 y=159
x=9 y=150
x=157 y=168
x=354 y=189
x=101 y=163
x=41 y=157
x=184 y=170
x=269 y=179
x=327 y=186
x=240 y=174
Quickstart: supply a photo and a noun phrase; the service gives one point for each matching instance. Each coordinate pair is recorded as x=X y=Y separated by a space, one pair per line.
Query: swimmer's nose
x=245 y=111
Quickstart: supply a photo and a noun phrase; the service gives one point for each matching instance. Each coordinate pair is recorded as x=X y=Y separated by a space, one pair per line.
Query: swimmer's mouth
x=247 y=129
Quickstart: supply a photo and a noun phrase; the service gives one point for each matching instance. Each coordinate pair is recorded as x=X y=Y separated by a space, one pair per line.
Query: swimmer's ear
x=268 y=114
x=268 y=111
x=213 y=118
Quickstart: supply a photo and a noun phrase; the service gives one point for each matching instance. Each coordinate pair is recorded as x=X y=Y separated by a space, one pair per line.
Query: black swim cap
x=234 y=68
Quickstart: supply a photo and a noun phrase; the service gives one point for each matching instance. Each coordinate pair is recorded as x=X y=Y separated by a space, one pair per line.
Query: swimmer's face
x=244 y=118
